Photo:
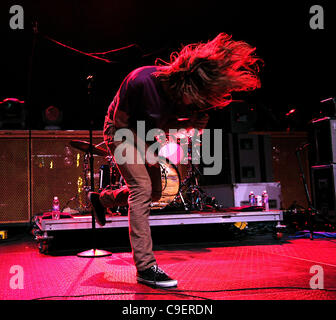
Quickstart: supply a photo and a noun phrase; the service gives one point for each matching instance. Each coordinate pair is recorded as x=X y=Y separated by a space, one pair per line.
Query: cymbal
x=186 y=133
x=85 y=146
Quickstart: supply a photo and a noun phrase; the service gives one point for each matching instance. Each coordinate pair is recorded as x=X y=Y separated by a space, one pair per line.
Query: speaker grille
x=14 y=178
x=54 y=168
x=58 y=169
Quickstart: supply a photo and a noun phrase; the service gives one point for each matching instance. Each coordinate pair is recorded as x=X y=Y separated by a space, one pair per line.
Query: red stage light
x=290 y=112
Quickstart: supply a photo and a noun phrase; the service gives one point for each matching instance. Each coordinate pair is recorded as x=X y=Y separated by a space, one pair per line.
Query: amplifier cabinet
x=38 y=165
x=246 y=158
x=323 y=141
x=324 y=189
x=252 y=155
x=14 y=177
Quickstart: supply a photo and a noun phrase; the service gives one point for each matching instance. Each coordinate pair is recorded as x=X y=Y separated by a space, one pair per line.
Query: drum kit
x=180 y=177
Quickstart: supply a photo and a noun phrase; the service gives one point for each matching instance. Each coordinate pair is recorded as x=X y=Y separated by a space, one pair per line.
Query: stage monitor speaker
x=324 y=189
x=323 y=141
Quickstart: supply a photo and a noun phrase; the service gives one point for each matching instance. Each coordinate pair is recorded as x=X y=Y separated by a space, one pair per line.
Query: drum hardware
x=176 y=193
x=85 y=147
x=196 y=198
x=109 y=177
x=164 y=177
x=96 y=150
x=116 y=180
x=170 y=182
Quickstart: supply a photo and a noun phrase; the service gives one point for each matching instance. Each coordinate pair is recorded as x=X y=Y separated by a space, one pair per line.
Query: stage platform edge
x=85 y=222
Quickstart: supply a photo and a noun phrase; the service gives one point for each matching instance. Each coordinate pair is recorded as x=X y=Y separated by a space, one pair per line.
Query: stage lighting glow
x=290 y=112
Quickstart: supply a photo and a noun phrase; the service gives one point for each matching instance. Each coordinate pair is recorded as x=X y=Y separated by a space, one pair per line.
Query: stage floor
x=254 y=268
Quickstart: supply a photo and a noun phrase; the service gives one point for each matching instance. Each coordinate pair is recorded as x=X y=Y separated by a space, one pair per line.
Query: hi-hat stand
x=94 y=252
x=311 y=210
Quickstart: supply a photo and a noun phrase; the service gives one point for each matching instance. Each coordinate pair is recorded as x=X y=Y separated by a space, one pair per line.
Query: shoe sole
x=161 y=284
x=99 y=221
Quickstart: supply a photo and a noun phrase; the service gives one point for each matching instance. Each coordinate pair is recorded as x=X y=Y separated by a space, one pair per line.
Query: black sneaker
x=98 y=209
x=155 y=277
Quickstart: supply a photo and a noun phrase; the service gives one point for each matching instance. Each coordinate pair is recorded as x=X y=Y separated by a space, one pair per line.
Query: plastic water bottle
x=252 y=199
x=265 y=200
x=56 y=208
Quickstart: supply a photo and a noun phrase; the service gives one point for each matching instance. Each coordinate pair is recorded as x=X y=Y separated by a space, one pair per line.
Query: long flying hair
x=206 y=73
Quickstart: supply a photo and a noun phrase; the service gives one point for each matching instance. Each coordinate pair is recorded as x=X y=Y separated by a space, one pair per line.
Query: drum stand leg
x=198 y=199
x=190 y=187
x=183 y=201
x=118 y=186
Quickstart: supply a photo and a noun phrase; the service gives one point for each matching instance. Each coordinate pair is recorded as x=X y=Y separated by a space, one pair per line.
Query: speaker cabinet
x=247 y=158
x=38 y=165
x=14 y=177
x=252 y=155
x=58 y=169
x=324 y=189
x=323 y=141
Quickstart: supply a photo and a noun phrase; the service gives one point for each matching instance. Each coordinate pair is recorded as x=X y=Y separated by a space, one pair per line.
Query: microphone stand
x=94 y=252
x=312 y=211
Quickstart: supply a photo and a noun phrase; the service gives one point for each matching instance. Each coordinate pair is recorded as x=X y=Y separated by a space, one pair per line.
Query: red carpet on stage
x=231 y=270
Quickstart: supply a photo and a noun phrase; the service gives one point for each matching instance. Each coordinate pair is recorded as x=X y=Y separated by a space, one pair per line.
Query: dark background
x=299 y=62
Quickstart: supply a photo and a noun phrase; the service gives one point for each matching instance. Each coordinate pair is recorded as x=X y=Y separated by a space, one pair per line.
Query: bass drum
x=171 y=181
